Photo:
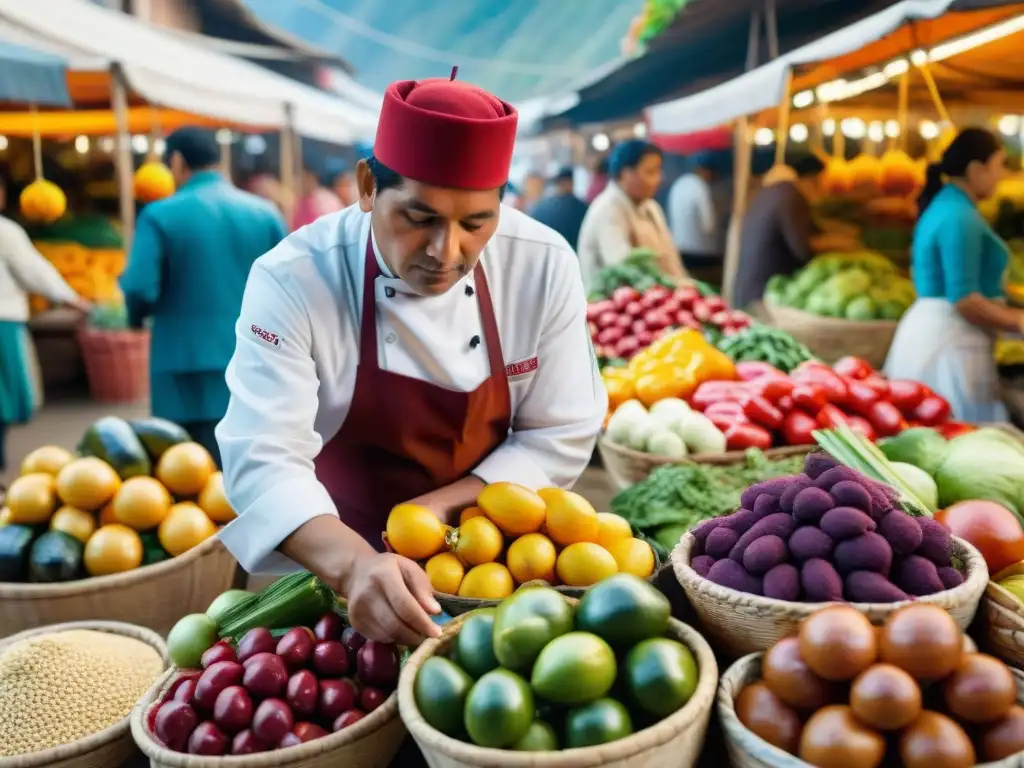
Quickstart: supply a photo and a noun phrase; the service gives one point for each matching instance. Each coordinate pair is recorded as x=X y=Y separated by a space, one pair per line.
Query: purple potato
x=902 y=531
x=779 y=524
x=936 y=543
x=850 y=494
x=846 y=523
x=765 y=505
x=810 y=504
x=774 y=487
x=701 y=530
x=740 y=521
x=818 y=463
x=870 y=552
x=872 y=587
x=810 y=542
x=720 y=542
x=729 y=573
x=764 y=554
x=820 y=582
x=917 y=575
x=950 y=577
x=836 y=475
x=702 y=564
x=782 y=583
x=789 y=495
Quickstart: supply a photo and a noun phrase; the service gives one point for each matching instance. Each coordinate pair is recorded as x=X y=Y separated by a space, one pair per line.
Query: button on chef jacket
x=293 y=373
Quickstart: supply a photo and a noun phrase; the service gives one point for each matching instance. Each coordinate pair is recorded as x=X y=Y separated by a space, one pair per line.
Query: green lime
x=596 y=723
x=474 y=645
x=623 y=610
x=499 y=709
x=190 y=638
x=540 y=737
x=574 y=669
x=224 y=602
x=526 y=622
x=662 y=675
x=440 y=691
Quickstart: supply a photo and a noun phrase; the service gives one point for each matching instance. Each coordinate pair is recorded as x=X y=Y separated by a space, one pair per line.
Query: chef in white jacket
x=414 y=347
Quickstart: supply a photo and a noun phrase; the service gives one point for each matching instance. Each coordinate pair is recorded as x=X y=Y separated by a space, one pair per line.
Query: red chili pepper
x=726 y=408
x=809 y=397
x=726 y=421
x=877 y=383
x=739 y=437
x=932 y=411
x=854 y=367
x=829 y=382
x=772 y=389
x=860 y=397
x=831 y=416
x=750 y=371
x=807 y=367
x=886 y=419
x=716 y=392
x=952 y=429
x=797 y=428
x=905 y=394
x=857 y=424
x=785 y=404
x=760 y=411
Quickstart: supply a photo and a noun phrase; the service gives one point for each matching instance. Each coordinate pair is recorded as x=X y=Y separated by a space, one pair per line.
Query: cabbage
x=700 y=434
x=641 y=432
x=670 y=408
x=667 y=444
x=923 y=447
x=983 y=465
x=623 y=420
x=919 y=482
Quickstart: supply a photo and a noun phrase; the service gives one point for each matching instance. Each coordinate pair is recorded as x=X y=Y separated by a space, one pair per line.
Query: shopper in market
x=691 y=210
x=23 y=270
x=560 y=209
x=190 y=257
x=626 y=216
x=413 y=348
x=315 y=200
x=778 y=231
x=946 y=337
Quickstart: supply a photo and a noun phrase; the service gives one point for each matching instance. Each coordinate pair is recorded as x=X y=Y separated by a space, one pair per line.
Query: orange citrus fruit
x=185 y=469
x=490 y=581
x=86 y=484
x=633 y=556
x=214 y=502
x=531 y=557
x=112 y=549
x=570 y=518
x=141 y=503
x=584 y=563
x=513 y=508
x=469 y=513
x=477 y=542
x=612 y=527
x=445 y=572
x=415 y=532
x=185 y=526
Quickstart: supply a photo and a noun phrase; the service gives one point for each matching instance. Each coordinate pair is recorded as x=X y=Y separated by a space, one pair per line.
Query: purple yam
x=701 y=530
x=936 y=543
x=917 y=575
x=810 y=542
x=870 y=552
x=820 y=582
x=850 y=494
x=720 y=542
x=764 y=554
x=818 y=463
x=702 y=564
x=779 y=524
x=872 y=587
x=782 y=583
x=902 y=531
x=729 y=573
x=740 y=521
x=789 y=495
x=810 y=504
x=835 y=475
x=846 y=523
x=950 y=577
x=765 y=505
x=774 y=487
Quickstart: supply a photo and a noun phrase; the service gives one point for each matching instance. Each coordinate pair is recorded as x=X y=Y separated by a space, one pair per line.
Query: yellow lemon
x=74 y=522
x=611 y=527
x=585 y=563
x=415 y=532
x=477 y=542
x=87 y=483
x=185 y=469
x=570 y=518
x=106 y=515
x=513 y=508
x=31 y=499
x=469 y=513
x=633 y=556
x=531 y=557
x=185 y=526
x=50 y=459
x=490 y=581
x=214 y=502
x=445 y=572
x=112 y=549
x=141 y=503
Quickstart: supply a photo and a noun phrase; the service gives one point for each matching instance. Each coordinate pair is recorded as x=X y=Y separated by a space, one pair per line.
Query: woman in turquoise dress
x=958 y=263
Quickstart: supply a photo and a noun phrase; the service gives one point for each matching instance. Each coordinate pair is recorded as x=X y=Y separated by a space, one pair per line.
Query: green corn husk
x=853 y=450
x=295 y=600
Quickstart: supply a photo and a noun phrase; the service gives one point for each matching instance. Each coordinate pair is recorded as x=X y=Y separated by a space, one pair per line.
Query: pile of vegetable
x=827 y=534
x=764 y=344
x=860 y=286
x=535 y=675
x=675 y=497
x=640 y=272
x=670 y=429
x=845 y=693
x=516 y=536
x=137 y=493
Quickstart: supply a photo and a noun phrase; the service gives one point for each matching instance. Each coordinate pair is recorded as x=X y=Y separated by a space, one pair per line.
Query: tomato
x=598 y=308
x=739 y=437
x=931 y=411
x=798 y=428
x=952 y=429
x=772 y=389
x=623 y=295
x=760 y=411
x=905 y=395
x=830 y=383
x=886 y=419
x=990 y=527
x=808 y=397
x=860 y=397
x=756 y=370
x=717 y=392
x=878 y=384
x=830 y=416
x=854 y=367
x=857 y=424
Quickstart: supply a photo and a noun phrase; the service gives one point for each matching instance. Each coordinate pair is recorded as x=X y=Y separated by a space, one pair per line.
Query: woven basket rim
x=974 y=565
x=779 y=312
x=730 y=457
x=998 y=596
x=631 y=746
x=18 y=591
x=94 y=741
x=157 y=752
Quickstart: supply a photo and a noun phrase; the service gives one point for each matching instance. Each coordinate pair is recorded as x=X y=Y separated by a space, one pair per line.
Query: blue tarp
x=518 y=50
x=34 y=77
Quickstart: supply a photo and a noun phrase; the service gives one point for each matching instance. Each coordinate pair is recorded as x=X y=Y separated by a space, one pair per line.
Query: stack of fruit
x=515 y=536
x=533 y=675
x=135 y=495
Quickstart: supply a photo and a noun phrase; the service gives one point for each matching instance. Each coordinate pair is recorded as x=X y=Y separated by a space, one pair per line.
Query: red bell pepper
x=726 y=421
x=797 y=428
x=886 y=419
x=877 y=383
x=854 y=368
x=739 y=437
x=932 y=411
x=726 y=408
x=762 y=412
x=716 y=392
x=772 y=389
x=952 y=429
x=905 y=394
x=809 y=397
x=830 y=383
x=784 y=404
x=831 y=416
x=860 y=397
x=857 y=424
x=750 y=371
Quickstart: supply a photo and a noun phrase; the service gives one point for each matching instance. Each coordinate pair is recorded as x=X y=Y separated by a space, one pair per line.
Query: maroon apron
x=404 y=437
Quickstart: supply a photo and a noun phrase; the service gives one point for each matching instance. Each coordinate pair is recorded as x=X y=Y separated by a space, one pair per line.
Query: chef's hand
x=390 y=599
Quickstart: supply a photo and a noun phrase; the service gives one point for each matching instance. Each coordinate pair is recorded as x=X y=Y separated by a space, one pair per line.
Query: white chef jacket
x=24 y=269
x=293 y=373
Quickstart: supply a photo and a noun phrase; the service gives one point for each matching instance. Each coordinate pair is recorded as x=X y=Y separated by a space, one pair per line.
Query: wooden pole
x=288 y=166
x=123 y=162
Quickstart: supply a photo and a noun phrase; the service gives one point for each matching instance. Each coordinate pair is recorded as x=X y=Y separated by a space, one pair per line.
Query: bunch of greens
x=639 y=271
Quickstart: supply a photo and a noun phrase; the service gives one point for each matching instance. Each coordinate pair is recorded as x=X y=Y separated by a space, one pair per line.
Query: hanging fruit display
x=153 y=181
x=43 y=202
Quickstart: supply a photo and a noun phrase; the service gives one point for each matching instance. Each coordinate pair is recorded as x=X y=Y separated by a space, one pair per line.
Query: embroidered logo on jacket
x=267 y=336
x=521 y=369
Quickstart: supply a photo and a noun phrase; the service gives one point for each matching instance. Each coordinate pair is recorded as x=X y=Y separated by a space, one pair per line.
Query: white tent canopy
x=762 y=88
x=172 y=72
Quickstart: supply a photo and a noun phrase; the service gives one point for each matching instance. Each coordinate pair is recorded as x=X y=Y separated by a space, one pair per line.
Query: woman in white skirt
x=946 y=338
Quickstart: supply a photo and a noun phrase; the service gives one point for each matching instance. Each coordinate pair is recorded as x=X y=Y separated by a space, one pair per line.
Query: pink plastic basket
x=117 y=364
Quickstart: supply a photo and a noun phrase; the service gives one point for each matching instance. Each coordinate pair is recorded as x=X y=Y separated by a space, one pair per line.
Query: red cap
x=446 y=133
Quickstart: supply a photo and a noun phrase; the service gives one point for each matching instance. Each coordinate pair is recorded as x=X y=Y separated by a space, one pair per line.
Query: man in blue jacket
x=187 y=271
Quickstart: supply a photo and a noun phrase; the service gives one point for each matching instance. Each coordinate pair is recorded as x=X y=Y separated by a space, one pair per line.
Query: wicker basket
x=154 y=596
x=739 y=623
x=108 y=748
x=675 y=742
x=627 y=467
x=372 y=742
x=1004 y=624
x=117 y=364
x=831 y=338
x=747 y=750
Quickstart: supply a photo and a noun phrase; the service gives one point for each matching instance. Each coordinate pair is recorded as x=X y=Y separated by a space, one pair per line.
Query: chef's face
x=430 y=237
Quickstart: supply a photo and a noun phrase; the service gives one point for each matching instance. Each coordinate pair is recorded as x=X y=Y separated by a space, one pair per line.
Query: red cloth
x=446 y=133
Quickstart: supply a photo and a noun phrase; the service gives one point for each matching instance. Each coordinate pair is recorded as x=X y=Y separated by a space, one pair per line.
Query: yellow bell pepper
x=621 y=386
x=666 y=380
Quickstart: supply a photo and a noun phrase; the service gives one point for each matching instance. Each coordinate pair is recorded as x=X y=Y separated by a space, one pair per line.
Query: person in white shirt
x=23 y=270
x=412 y=348
x=625 y=216
x=691 y=210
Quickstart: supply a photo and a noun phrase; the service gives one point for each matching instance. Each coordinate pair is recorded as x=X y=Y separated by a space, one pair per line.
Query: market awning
x=33 y=76
x=102 y=122
x=174 y=73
